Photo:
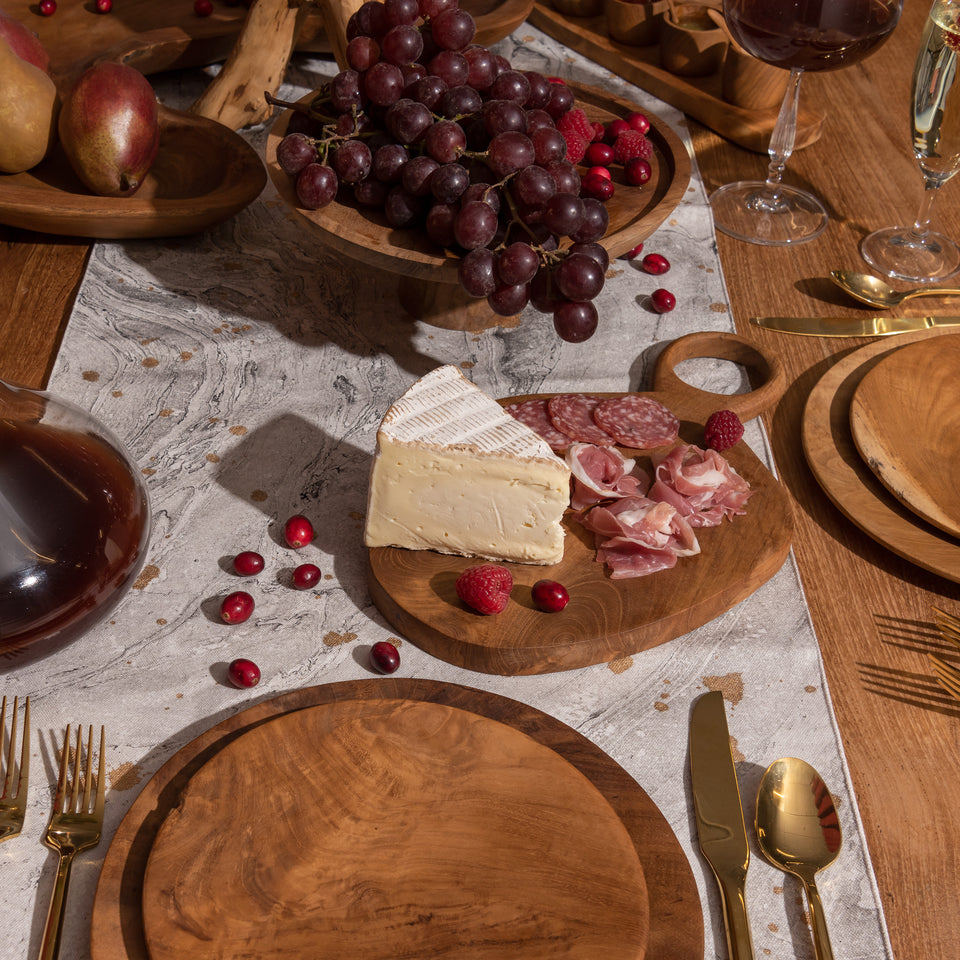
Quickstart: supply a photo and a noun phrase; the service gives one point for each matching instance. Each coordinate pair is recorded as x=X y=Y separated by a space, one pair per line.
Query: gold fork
x=948 y=676
x=74 y=826
x=13 y=793
x=948 y=625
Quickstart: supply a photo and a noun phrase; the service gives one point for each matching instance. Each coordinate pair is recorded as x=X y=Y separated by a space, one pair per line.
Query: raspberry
x=575 y=121
x=485 y=588
x=632 y=144
x=723 y=430
x=576 y=147
x=599 y=131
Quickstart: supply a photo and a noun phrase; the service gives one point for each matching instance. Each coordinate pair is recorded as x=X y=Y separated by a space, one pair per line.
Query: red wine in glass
x=797 y=35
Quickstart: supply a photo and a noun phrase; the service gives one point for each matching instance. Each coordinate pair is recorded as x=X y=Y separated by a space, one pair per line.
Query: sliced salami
x=635 y=421
x=572 y=415
x=533 y=413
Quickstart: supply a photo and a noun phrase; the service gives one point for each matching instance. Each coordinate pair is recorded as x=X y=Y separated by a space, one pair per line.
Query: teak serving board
x=905 y=422
x=847 y=480
x=676 y=921
x=393 y=828
x=605 y=619
x=697 y=96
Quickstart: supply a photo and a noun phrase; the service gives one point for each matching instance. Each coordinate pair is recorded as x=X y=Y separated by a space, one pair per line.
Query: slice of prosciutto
x=602 y=473
x=700 y=484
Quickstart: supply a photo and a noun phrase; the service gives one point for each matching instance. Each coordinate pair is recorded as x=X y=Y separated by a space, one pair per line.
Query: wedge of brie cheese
x=454 y=473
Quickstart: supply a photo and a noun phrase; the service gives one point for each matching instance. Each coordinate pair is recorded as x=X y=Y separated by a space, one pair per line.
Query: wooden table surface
x=871 y=609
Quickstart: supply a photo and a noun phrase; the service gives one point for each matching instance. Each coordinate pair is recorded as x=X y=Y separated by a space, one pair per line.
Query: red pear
x=109 y=129
x=24 y=43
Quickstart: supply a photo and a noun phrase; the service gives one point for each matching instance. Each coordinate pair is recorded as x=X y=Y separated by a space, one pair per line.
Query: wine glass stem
x=784 y=135
x=931 y=187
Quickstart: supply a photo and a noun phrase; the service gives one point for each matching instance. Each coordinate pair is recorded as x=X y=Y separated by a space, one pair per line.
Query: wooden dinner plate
x=675 y=918
x=905 y=421
x=605 y=619
x=204 y=173
x=392 y=828
x=365 y=235
x=846 y=479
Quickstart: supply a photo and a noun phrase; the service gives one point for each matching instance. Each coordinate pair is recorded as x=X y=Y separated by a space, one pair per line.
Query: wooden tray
x=204 y=173
x=905 y=422
x=676 y=921
x=154 y=37
x=832 y=455
x=605 y=619
x=697 y=96
x=391 y=828
x=428 y=285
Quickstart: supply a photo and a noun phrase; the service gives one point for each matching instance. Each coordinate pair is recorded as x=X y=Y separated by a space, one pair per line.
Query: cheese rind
x=454 y=473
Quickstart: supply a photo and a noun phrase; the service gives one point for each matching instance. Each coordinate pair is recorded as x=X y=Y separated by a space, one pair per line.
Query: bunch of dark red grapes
x=442 y=134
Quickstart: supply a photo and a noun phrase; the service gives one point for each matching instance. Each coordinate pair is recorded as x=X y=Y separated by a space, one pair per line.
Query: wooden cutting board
x=905 y=421
x=606 y=619
x=392 y=828
x=676 y=921
x=846 y=479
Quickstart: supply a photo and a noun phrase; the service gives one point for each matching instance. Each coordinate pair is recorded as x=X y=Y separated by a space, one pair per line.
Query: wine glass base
x=749 y=210
x=898 y=252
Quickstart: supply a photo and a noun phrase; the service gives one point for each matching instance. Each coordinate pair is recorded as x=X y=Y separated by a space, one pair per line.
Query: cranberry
x=384 y=657
x=202 y=8
x=663 y=301
x=298 y=531
x=615 y=128
x=599 y=154
x=655 y=263
x=634 y=253
x=638 y=122
x=599 y=131
x=104 y=6
x=48 y=7
x=243 y=673
x=307 y=575
x=559 y=80
x=236 y=607
x=550 y=596
x=248 y=563
x=600 y=188
x=637 y=171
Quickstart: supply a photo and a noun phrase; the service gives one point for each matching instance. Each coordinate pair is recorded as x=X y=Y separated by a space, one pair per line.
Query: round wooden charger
x=427 y=275
x=839 y=469
x=606 y=619
x=204 y=173
x=905 y=421
x=392 y=828
x=675 y=918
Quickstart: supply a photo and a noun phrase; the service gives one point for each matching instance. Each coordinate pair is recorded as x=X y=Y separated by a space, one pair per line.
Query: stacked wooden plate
x=388 y=818
x=881 y=432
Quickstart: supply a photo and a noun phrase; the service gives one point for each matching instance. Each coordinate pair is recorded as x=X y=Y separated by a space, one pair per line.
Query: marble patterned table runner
x=247 y=370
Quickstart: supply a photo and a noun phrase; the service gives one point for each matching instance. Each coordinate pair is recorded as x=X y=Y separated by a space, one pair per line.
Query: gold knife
x=852 y=326
x=719 y=813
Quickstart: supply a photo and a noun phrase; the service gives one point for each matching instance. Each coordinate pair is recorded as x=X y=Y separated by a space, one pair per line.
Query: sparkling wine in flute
x=797 y=35
x=917 y=253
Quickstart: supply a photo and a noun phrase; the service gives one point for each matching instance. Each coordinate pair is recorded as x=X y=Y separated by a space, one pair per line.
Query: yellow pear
x=28 y=112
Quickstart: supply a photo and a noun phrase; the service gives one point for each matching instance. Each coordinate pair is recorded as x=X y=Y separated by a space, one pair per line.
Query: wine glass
x=798 y=35
x=917 y=253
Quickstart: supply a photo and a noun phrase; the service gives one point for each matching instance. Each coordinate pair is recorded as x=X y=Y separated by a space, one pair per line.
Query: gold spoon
x=874 y=291
x=798 y=831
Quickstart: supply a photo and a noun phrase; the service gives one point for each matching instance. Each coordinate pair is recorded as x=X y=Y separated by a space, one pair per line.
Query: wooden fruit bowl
x=204 y=173
x=427 y=284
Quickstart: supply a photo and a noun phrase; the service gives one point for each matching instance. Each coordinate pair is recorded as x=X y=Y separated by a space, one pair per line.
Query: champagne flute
x=917 y=253
x=798 y=35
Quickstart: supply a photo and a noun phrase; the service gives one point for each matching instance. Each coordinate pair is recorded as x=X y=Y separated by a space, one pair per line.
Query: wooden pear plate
x=675 y=918
x=830 y=451
x=392 y=828
x=606 y=619
x=428 y=285
x=204 y=173
x=906 y=424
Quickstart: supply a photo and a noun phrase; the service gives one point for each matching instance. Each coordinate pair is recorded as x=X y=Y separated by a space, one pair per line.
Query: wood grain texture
x=675 y=920
x=392 y=828
x=203 y=174
x=605 y=619
x=699 y=97
x=906 y=425
x=850 y=481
